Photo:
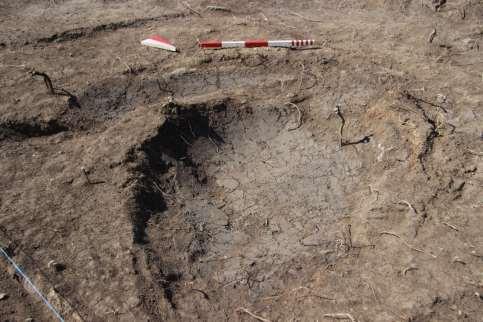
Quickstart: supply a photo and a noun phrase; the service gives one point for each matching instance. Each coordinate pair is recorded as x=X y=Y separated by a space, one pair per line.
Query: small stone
x=29 y=320
x=177 y=72
x=440 y=98
x=3 y=296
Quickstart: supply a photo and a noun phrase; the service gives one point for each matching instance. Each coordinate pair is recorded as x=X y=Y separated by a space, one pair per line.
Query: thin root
x=184 y=140
x=47 y=81
x=299 y=122
x=205 y=295
x=218 y=8
x=305 y=18
x=259 y=318
x=339 y=114
x=301 y=77
x=409 y=205
x=406 y=243
x=84 y=171
x=407 y=269
x=450 y=226
x=57 y=91
x=215 y=144
x=458 y=260
x=431 y=36
x=301 y=296
x=187 y=5
x=373 y=292
x=476 y=153
x=341 y=316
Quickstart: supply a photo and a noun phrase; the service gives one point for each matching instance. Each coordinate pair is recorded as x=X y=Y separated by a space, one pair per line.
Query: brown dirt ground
x=202 y=185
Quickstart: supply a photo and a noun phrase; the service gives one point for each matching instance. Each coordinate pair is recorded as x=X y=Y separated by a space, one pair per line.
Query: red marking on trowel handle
x=210 y=44
x=256 y=43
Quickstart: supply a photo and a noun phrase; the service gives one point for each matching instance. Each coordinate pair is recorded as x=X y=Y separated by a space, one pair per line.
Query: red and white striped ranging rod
x=256 y=43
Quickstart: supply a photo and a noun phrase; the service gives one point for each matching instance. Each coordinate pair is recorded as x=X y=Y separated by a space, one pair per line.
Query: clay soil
x=339 y=182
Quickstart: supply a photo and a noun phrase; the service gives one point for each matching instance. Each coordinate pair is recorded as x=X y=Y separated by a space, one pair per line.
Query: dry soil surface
x=339 y=182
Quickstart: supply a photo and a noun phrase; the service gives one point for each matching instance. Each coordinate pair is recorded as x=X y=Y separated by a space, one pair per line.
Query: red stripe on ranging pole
x=253 y=43
x=256 y=43
x=210 y=44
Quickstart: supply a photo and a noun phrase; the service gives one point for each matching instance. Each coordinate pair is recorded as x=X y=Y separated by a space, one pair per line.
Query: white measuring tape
x=36 y=290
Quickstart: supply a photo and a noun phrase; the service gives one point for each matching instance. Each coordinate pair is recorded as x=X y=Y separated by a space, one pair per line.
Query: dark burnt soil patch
x=210 y=186
x=163 y=159
x=93 y=106
x=110 y=98
x=166 y=151
x=19 y=129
